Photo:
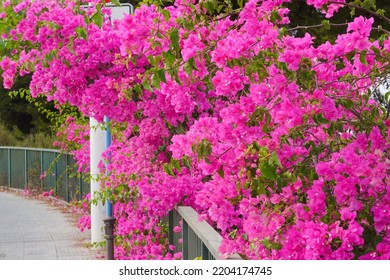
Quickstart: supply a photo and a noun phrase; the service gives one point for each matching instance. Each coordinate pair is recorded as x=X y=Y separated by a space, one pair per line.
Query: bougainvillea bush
x=273 y=138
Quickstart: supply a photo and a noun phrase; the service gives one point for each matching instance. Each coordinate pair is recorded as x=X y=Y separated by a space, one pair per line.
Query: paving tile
x=36 y=236
x=38 y=250
x=12 y=250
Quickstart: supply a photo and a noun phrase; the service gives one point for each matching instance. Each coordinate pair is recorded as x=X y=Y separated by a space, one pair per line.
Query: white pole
x=97 y=147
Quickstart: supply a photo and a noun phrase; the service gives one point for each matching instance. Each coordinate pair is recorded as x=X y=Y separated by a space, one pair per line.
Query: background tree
x=17 y=112
x=274 y=138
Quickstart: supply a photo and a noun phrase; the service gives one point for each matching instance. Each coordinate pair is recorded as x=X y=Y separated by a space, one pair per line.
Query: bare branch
x=381 y=29
x=316 y=26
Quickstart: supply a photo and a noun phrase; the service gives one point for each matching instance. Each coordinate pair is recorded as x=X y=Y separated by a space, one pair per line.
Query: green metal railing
x=22 y=168
x=199 y=239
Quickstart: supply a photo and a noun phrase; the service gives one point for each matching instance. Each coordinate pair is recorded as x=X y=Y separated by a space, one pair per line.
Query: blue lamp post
x=109 y=221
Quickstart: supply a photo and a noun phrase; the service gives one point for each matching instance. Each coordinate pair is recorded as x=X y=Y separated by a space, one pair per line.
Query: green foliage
x=97 y=18
x=203 y=150
x=15 y=137
x=17 y=108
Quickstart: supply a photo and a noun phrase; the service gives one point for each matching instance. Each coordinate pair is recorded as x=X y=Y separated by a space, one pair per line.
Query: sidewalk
x=32 y=229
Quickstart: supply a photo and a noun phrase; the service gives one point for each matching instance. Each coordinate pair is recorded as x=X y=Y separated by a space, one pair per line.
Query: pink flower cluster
x=271 y=138
x=9 y=71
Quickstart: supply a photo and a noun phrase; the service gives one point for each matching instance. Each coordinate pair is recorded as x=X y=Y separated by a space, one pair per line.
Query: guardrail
x=199 y=239
x=22 y=168
x=43 y=170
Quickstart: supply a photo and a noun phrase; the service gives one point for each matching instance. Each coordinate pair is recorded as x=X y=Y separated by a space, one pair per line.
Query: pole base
x=109 y=235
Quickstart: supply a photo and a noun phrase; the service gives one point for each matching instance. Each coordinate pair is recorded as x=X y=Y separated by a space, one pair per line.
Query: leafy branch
x=357 y=7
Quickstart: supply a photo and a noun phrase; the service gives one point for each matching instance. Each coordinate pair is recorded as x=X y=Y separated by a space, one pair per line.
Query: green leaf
x=188 y=24
x=376 y=51
x=381 y=12
x=275 y=16
x=274 y=160
x=268 y=171
x=176 y=164
x=137 y=88
x=204 y=149
x=168 y=169
x=282 y=32
x=363 y=58
x=156 y=81
x=161 y=75
x=2 y=45
x=209 y=5
x=189 y=66
x=319 y=119
x=387 y=95
x=347 y=103
x=326 y=24
x=258 y=188
x=156 y=44
x=50 y=56
x=166 y=14
x=115 y=2
x=266 y=242
x=98 y=19
x=187 y=162
x=169 y=58
x=118 y=190
x=191 y=62
x=146 y=85
x=174 y=36
x=221 y=173
x=81 y=33
x=368 y=4
x=151 y=59
x=265 y=128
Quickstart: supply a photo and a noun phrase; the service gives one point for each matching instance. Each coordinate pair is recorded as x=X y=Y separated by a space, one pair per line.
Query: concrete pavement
x=33 y=229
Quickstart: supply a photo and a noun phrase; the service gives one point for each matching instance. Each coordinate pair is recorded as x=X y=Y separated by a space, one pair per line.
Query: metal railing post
x=185 y=240
x=25 y=169
x=81 y=186
x=67 y=179
x=170 y=227
x=9 y=167
x=41 y=172
x=55 y=177
x=205 y=252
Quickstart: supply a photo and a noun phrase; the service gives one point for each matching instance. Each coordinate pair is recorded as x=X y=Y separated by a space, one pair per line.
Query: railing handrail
x=207 y=234
x=32 y=149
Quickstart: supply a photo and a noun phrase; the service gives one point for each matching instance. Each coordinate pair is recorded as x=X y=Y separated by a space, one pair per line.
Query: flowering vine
x=272 y=138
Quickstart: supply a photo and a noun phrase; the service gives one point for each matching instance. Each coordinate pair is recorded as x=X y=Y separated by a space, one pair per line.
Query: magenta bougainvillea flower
x=271 y=137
